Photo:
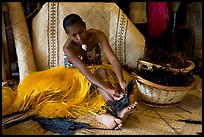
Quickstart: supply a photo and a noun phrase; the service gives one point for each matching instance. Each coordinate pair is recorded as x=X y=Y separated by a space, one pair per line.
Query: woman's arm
x=86 y=72
x=112 y=59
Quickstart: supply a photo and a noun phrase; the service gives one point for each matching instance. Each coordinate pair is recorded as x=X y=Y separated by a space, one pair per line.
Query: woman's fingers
x=117 y=96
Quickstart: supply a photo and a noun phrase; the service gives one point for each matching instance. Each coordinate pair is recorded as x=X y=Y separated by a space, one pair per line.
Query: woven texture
x=157 y=94
x=161 y=95
x=194 y=19
x=21 y=36
x=49 y=36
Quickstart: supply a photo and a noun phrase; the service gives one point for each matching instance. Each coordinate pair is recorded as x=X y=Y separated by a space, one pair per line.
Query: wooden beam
x=5 y=49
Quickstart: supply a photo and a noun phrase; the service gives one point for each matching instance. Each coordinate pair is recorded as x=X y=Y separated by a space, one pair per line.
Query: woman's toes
x=118 y=127
x=118 y=121
x=134 y=105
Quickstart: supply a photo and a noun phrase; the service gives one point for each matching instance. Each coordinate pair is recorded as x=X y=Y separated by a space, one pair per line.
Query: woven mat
x=145 y=121
x=22 y=41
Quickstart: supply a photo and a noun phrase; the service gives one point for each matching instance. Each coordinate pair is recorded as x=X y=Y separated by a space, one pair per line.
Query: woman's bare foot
x=124 y=113
x=109 y=121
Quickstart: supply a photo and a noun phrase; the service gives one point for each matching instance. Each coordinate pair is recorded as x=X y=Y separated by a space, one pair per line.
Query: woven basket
x=158 y=95
x=154 y=94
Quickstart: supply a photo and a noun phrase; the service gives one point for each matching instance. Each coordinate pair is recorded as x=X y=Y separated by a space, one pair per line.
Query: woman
x=83 y=48
x=72 y=91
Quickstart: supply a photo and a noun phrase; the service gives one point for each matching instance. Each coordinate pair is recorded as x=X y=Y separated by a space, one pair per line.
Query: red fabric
x=158 y=18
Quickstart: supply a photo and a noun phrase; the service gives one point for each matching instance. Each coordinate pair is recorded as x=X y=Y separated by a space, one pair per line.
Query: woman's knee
x=101 y=73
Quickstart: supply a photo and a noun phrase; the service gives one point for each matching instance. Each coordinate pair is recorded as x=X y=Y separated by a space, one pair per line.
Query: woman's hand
x=115 y=95
x=118 y=95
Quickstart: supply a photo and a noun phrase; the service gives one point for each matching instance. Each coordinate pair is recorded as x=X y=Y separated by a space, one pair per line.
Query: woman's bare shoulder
x=97 y=33
x=68 y=42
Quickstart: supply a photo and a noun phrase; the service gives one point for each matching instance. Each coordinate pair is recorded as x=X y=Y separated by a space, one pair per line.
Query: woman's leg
x=107 y=119
x=101 y=73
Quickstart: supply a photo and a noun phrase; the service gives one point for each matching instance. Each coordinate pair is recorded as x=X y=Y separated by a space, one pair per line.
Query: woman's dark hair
x=72 y=19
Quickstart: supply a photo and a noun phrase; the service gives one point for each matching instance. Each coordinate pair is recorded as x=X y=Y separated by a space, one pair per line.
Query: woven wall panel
x=194 y=19
x=49 y=36
x=22 y=41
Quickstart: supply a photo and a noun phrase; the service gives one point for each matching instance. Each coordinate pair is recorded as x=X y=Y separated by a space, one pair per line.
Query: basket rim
x=184 y=70
x=158 y=86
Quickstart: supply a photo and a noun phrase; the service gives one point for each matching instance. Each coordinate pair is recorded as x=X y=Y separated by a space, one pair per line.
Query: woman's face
x=77 y=32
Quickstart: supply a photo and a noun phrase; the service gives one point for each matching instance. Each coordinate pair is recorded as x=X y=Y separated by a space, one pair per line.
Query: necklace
x=84 y=47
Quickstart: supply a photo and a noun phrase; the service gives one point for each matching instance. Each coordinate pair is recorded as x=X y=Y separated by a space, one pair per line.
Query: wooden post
x=5 y=49
x=4 y=77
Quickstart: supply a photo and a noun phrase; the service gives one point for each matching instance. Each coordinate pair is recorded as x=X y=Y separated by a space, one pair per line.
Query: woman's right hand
x=115 y=95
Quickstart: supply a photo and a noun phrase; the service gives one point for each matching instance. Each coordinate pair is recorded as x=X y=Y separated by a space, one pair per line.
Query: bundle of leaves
x=177 y=60
x=166 y=77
